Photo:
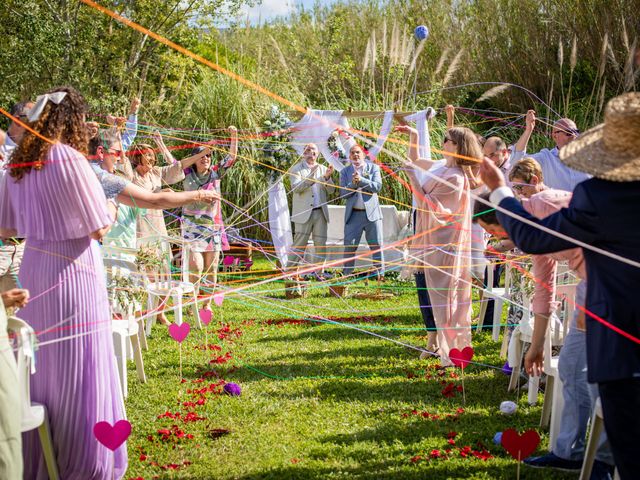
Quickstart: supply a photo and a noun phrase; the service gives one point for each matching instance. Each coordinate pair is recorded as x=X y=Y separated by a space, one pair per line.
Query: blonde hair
x=467 y=145
x=526 y=169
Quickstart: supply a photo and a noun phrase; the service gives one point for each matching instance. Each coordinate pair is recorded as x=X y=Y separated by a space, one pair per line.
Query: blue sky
x=271 y=9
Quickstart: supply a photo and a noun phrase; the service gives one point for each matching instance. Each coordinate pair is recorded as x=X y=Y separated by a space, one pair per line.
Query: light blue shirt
x=130 y=132
x=556 y=174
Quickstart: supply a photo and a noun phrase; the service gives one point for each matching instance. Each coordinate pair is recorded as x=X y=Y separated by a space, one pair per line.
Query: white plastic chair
x=159 y=290
x=499 y=295
x=597 y=426
x=34 y=415
x=126 y=330
x=523 y=334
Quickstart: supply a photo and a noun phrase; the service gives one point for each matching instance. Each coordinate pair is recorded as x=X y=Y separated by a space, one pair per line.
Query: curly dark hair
x=59 y=123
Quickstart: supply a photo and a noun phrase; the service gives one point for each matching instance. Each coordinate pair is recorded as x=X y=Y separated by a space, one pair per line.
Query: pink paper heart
x=461 y=358
x=205 y=316
x=179 y=332
x=520 y=446
x=112 y=437
x=218 y=298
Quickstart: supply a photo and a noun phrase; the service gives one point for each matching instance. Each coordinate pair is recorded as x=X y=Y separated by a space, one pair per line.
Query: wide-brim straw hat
x=610 y=151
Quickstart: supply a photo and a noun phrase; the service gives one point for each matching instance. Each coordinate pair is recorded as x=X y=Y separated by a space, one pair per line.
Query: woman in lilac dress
x=52 y=197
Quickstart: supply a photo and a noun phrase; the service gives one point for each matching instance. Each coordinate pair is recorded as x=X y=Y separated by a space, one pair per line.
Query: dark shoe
x=602 y=471
x=553 y=461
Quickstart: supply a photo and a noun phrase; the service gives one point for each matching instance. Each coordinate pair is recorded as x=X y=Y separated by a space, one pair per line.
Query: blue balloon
x=497 y=438
x=421 y=32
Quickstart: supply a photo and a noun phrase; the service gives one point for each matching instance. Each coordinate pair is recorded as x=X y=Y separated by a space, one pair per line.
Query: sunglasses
x=447 y=139
x=518 y=187
x=115 y=153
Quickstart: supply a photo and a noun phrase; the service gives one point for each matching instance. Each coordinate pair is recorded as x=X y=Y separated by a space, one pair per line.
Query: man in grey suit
x=360 y=183
x=310 y=185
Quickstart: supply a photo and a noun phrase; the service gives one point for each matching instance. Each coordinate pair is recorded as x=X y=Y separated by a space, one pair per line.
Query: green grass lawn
x=319 y=400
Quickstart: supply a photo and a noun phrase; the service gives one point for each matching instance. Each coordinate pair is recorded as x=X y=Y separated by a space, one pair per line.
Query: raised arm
x=131 y=127
x=233 y=147
x=530 y=125
x=414 y=140
x=157 y=137
x=451 y=115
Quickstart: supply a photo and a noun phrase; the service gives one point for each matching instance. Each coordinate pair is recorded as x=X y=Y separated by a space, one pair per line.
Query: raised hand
x=135 y=105
x=405 y=129
x=530 y=120
x=327 y=175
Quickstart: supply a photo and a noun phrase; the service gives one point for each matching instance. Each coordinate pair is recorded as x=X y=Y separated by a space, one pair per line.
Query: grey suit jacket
x=302 y=180
x=369 y=185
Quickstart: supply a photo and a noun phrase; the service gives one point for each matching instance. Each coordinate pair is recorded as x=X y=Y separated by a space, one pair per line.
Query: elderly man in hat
x=557 y=175
x=603 y=218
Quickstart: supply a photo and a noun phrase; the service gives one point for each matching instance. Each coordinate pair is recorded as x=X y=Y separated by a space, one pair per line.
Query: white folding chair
x=499 y=295
x=162 y=288
x=34 y=415
x=126 y=329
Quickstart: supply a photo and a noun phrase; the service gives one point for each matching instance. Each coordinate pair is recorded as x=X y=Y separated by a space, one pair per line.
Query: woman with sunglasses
x=443 y=233
x=202 y=224
x=148 y=175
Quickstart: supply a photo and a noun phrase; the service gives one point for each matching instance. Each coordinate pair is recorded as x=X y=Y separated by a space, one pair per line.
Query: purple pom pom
x=232 y=389
x=421 y=32
x=506 y=369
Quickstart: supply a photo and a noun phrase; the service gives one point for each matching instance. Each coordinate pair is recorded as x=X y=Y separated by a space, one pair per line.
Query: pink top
x=542 y=205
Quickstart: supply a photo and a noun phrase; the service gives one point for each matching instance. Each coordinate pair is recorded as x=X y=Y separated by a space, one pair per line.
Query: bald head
x=564 y=131
x=495 y=149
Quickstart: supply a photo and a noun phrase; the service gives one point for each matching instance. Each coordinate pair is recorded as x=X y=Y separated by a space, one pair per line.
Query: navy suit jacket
x=370 y=184
x=606 y=215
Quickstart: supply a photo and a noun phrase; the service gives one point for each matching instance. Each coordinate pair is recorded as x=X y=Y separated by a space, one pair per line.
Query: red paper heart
x=205 y=316
x=461 y=358
x=112 y=437
x=179 y=332
x=520 y=446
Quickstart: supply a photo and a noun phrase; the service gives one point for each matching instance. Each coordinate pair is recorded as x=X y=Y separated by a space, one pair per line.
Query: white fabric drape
x=315 y=127
x=280 y=221
x=384 y=133
x=424 y=148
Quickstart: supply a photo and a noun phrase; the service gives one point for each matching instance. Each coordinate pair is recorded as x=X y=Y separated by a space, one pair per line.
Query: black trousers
x=425 y=302
x=488 y=316
x=621 y=407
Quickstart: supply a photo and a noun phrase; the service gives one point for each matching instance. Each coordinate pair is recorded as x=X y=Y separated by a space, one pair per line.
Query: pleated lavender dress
x=56 y=209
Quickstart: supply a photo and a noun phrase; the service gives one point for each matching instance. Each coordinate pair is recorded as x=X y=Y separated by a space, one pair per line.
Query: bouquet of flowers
x=277 y=151
x=335 y=146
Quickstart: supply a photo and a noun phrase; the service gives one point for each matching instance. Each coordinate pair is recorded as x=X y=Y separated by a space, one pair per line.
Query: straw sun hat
x=610 y=151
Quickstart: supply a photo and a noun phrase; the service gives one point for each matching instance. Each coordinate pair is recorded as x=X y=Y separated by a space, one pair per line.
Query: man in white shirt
x=310 y=185
x=557 y=175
